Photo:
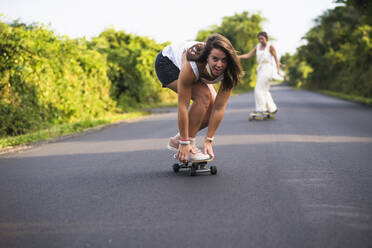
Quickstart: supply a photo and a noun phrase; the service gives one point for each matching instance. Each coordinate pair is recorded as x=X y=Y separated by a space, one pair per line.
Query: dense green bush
x=46 y=78
x=297 y=70
x=131 y=68
x=337 y=56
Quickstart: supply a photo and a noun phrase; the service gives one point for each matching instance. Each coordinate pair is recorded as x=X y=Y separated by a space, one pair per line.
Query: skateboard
x=259 y=116
x=195 y=167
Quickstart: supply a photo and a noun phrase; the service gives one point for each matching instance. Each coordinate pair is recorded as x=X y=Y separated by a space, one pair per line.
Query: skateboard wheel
x=265 y=118
x=213 y=170
x=176 y=167
x=250 y=118
x=272 y=117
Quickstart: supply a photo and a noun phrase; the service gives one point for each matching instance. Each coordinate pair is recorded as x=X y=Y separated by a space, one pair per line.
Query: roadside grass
x=58 y=130
x=358 y=99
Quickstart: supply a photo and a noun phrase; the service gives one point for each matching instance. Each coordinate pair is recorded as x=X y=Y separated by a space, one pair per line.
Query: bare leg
x=208 y=114
x=173 y=86
x=203 y=96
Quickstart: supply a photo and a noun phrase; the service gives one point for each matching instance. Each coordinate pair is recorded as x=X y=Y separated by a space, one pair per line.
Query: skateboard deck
x=195 y=167
x=261 y=116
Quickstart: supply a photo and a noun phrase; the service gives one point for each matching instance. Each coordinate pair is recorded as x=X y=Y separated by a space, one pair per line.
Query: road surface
x=302 y=180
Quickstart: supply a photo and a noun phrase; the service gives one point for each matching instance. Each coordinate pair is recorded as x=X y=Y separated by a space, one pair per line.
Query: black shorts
x=166 y=71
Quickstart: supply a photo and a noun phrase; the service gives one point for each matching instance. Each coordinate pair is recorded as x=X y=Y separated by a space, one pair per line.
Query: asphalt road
x=302 y=180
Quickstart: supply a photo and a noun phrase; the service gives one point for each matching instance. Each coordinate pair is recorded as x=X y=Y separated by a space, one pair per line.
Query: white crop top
x=175 y=51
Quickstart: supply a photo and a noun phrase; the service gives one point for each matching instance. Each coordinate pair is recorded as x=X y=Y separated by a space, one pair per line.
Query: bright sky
x=167 y=20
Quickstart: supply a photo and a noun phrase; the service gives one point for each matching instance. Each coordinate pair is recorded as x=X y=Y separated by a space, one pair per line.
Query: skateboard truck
x=195 y=167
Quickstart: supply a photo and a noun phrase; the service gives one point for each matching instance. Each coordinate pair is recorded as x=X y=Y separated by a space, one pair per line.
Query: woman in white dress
x=265 y=52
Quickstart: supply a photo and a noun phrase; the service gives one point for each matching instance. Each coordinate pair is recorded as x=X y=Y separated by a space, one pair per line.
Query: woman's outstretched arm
x=248 y=55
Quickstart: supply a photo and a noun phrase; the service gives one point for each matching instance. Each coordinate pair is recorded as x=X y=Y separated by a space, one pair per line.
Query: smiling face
x=217 y=61
x=262 y=39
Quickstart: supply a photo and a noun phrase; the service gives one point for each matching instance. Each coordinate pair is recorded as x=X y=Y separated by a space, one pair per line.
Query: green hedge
x=46 y=78
x=131 y=68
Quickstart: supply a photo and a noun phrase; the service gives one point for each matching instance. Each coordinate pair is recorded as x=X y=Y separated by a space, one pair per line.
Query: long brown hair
x=200 y=52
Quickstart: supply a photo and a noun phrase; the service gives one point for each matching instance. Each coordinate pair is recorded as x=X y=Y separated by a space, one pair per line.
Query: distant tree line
x=337 y=55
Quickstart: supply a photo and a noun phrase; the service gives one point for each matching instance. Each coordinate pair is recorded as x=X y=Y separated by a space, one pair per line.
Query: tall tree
x=364 y=7
x=339 y=53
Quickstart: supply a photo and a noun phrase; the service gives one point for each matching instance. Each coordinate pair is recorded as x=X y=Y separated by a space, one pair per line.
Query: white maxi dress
x=262 y=96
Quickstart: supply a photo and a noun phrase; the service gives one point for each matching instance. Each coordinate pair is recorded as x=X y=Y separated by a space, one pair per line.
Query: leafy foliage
x=364 y=8
x=297 y=70
x=337 y=56
x=46 y=78
x=131 y=68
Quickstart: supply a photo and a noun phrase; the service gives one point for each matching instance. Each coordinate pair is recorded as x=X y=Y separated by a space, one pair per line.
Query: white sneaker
x=173 y=143
x=197 y=155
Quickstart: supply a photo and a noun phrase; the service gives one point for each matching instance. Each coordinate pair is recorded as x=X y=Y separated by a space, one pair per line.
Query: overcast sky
x=166 y=20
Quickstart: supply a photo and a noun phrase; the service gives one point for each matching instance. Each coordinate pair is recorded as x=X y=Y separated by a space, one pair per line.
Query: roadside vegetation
x=337 y=57
x=51 y=85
